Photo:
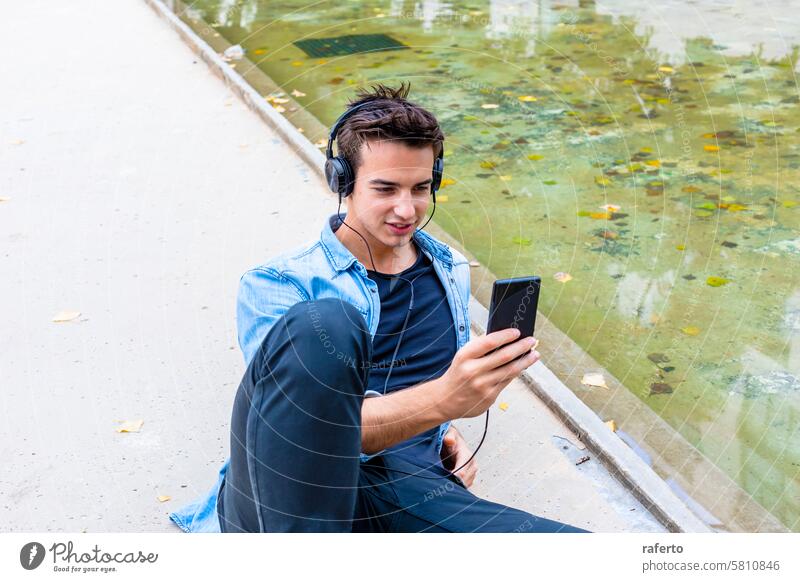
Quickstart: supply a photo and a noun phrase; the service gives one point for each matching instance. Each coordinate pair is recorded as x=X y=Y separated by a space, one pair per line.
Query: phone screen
x=514 y=303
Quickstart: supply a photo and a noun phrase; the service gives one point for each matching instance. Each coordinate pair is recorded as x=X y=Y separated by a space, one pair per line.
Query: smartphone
x=514 y=303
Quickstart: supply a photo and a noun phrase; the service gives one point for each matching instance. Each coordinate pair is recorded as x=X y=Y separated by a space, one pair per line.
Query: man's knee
x=327 y=326
x=326 y=335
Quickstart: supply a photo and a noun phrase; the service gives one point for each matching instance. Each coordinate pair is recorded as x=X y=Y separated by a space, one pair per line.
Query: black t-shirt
x=427 y=345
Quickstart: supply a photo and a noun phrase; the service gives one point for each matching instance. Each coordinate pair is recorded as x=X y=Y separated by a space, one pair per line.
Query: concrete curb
x=623 y=463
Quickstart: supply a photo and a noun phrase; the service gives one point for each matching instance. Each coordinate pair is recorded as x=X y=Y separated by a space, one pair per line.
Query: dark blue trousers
x=296 y=440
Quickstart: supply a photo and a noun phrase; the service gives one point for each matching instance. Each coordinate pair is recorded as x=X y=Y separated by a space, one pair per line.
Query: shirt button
x=461 y=327
x=373 y=290
x=452 y=280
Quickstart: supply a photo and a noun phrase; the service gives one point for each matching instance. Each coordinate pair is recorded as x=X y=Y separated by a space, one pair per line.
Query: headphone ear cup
x=337 y=173
x=438 y=170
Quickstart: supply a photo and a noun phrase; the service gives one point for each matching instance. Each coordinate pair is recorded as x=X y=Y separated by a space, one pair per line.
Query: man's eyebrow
x=383 y=182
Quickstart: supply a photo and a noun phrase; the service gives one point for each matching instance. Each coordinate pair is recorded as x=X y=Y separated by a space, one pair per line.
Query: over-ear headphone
x=340 y=174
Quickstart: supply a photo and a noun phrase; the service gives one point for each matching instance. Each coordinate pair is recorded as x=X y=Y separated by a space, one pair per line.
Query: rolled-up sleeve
x=264 y=296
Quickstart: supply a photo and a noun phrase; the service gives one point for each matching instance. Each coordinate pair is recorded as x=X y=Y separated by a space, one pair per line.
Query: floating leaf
x=654 y=163
x=259 y=51
x=790 y=203
x=549 y=182
x=442 y=198
x=612 y=425
x=163 y=498
x=503 y=406
x=535 y=157
x=680 y=247
x=506 y=178
x=487 y=165
x=447 y=182
x=646 y=150
x=527 y=98
x=297 y=63
x=736 y=207
x=63 y=316
x=130 y=426
x=711 y=148
x=666 y=69
x=657 y=358
x=601 y=181
x=691 y=330
x=660 y=388
x=594 y=379
x=690 y=189
x=562 y=277
x=729 y=244
x=521 y=241
x=297 y=93
x=717 y=281
x=600 y=215
x=489 y=106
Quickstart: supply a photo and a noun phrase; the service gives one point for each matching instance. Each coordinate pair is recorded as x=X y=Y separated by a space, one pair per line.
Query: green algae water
x=645 y=164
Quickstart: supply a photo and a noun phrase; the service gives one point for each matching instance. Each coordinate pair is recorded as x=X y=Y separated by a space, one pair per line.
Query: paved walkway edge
x=624 y=464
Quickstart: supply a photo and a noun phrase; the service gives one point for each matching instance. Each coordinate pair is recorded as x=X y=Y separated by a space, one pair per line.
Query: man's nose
x=404 y=207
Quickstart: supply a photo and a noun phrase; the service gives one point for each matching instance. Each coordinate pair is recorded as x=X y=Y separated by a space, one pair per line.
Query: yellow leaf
x=527 y=98
x=680 y=247
x=442 y=198
x=486 y=165
x=737 y=207
x=601 y=181
x=535 y=157
x=611 y=207
x=646 y=150
x=717 y=281
x=711 y=148
x=654 y=163
x=297 y=93
x=130 y=426
x=489 y=106
x=691 y=330
x=594 y=379
x=690 y=189
x=63 y=316
x=786 y=203
x=505 y=178
x=666 y=69
x=612 y=425
x=562 y=277
x=163 y=498
x=259 y=52
x=447 y=182
x=503 y=406
x=297 y=63
x=600 y=215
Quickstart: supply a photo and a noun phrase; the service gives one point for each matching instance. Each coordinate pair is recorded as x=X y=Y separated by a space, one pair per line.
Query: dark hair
x=391 y=116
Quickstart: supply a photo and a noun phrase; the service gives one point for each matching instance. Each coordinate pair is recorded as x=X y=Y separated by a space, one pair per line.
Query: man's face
x=393 y=185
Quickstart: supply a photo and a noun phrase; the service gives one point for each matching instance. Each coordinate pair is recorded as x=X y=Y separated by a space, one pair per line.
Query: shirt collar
x=341 y=257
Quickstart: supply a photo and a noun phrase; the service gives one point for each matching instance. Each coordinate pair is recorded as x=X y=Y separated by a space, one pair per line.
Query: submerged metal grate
x=348 y=45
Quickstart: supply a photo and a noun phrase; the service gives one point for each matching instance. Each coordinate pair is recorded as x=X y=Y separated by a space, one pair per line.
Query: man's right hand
x=477 y=376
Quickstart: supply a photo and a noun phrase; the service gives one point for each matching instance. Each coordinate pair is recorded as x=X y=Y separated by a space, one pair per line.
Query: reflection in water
x=650 y=150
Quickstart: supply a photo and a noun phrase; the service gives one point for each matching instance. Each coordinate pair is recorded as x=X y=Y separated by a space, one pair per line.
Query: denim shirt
x=323 y=268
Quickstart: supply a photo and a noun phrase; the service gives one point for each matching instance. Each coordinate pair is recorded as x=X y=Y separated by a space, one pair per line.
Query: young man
x=359 y=356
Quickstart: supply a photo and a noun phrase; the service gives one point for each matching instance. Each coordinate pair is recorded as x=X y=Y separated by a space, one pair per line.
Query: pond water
x=644 y=160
